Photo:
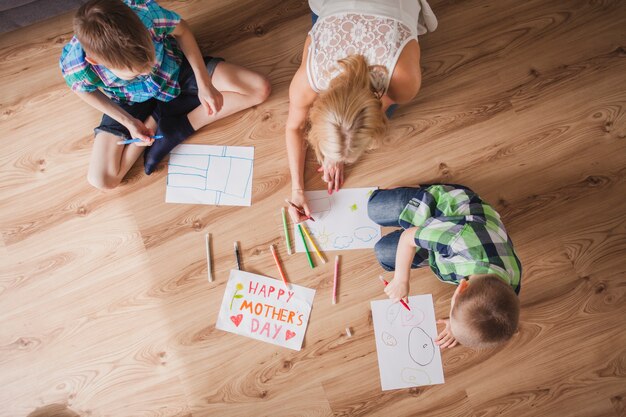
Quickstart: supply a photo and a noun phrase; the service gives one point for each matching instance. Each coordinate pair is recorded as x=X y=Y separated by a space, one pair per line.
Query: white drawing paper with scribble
x=207 y=174
x=341 y=220
x=405 y=343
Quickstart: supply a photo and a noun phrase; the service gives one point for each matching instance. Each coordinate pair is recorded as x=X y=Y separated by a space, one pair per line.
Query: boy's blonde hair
x=111 y=32
x=486 y=313
x=347 y=119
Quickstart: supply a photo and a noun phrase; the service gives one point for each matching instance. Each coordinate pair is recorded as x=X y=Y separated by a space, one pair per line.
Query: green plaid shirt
x=461 y=234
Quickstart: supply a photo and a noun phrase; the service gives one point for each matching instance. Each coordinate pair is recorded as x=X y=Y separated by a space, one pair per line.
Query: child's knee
x=375 y=207
x=263 y=89
x=385 y=254
x=102 y=181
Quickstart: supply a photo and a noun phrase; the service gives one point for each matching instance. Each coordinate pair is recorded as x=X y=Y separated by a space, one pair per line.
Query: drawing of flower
x=238 y=288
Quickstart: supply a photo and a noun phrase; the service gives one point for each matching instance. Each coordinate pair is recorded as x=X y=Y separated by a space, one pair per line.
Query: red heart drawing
x=236 y=319
x=289 y=334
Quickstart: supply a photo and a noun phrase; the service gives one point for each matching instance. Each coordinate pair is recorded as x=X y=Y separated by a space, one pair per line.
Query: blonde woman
x=360 y=57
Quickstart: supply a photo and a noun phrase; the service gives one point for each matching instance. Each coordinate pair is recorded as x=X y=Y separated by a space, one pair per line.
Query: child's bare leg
x=241 y=89
x=110 y=162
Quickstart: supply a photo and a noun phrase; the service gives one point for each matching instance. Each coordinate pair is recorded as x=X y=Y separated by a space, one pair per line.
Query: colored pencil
x=280 y=268
x=306 y=248
x=136 y=140
x=401 y=300
x=208 y=256
x=237 y=256
x=317 y=251
x=287 y=241
x=299 y=210
x=335 y=279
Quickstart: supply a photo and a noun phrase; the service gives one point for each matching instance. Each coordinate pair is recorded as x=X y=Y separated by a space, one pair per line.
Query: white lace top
x=377 y=29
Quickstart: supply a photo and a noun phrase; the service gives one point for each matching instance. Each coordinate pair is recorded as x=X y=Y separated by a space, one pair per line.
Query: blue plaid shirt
x=161 y=83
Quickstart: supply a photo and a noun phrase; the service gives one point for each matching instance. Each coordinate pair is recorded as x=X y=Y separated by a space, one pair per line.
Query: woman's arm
x=301 y=98
x=406 y=79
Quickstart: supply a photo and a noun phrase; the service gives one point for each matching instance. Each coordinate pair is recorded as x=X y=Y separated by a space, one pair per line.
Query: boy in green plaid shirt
x=461 y=238
x=141 y=66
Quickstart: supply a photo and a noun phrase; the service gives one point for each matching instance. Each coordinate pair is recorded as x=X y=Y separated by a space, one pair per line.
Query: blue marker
x=127 y=141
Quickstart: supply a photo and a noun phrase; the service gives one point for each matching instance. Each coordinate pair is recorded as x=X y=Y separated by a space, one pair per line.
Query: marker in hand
x=299 y=210
x=136 y=140
x=401 y=300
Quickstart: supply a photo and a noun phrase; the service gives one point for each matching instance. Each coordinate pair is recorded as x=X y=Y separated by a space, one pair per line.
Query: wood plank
x=104 y=301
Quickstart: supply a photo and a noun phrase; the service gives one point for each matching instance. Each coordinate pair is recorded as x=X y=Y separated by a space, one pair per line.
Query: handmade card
x=341 y=220
x=263 y=308
x=405 y=343
x=205 y=174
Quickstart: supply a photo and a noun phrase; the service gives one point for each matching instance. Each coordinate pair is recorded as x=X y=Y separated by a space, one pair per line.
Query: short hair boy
x=462 y=239
x=141 y=66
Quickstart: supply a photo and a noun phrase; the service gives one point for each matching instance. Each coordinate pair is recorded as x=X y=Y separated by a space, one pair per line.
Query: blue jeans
x=384 y=208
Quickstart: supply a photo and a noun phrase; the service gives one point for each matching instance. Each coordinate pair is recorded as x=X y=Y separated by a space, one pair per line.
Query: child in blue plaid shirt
x=141 y=66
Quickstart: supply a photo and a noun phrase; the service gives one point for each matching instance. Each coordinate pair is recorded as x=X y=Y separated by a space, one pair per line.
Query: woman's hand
x=332 y=176
x=210 y=98
x=298 y=198
x=139 y=130
x=446 y=338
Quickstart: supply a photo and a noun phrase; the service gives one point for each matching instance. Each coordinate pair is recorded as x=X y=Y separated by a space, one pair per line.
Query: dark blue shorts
x=183 y=104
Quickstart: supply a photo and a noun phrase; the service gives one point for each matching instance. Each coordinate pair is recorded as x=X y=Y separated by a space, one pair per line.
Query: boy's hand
x=333 y=176
x=210 y=98
x=446 y=338
x=397 y=289
x=139 y=130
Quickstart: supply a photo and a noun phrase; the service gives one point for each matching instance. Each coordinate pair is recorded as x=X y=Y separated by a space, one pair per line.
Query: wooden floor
x=104 y=301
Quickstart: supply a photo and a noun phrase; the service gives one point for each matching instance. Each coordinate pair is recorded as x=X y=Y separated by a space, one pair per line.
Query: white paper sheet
x=341 y=220
x=206 y=174
x=405 y=343
x=262 y=308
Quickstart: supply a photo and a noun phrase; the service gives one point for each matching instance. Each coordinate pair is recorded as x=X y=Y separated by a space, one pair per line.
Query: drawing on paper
x=421 y=346
x=412 y=318
x=389 y=339
x=205 y=174
x=341 y=220
x=415 y=376
x=262 y=308
x=366 y=233
x=238 y=288
x=392 y=312
x=322 y=236
x=320 y=207
x=407 y=354
x=342 y=242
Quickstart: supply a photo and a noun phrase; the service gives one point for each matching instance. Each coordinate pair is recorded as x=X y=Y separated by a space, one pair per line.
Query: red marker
x=401 y=300
x=299 y=210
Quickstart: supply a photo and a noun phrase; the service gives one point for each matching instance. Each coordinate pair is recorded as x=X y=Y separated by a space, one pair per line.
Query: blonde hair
x=486 y=313
x=347 y=119
x=111 y=31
